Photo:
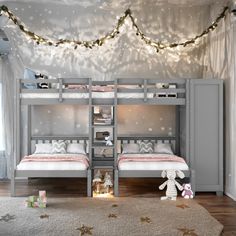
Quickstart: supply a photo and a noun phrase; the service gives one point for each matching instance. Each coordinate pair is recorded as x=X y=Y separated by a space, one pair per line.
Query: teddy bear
x=187 y=191
x=171 y=191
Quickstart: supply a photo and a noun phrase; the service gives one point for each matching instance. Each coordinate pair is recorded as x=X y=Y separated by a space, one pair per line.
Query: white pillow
x=130 y=148
x=58 y=146
x=163 y=148
x=43 y=148
x=75 y=148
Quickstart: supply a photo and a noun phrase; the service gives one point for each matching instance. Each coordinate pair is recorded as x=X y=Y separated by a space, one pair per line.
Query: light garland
x=158 y=45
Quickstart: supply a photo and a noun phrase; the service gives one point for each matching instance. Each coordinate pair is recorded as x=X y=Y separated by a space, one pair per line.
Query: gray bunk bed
x=171 y=92
x=57 y=93
x=185 y=94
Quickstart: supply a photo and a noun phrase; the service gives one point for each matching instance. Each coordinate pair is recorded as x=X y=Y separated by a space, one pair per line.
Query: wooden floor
x=222 y=208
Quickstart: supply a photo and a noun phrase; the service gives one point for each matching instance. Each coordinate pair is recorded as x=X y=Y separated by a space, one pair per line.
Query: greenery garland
x=158 y=45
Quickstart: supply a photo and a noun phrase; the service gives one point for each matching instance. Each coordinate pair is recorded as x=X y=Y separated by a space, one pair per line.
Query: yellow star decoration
x=145 y=220
x=44 y=216
x=114 y=205
x=85 y=230
x=182 y=206
x=112 y=216
x=187 y=232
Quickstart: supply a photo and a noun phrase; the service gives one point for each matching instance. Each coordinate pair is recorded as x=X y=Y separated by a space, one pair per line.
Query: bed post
x=89 y=171
x=193 y=180
x=29 y=133
x=89 y=183
x=16 y=145
x=116 y=171
x=116 y=183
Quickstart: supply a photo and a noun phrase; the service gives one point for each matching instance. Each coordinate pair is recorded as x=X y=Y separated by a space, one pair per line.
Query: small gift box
x=30 y=202
x=42 y=200
x=37 y=201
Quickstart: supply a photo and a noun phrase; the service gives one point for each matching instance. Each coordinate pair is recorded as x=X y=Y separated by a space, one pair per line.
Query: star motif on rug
x=114 y=205
x=187 y=232
x=85 y=230
x=112 y=216
x=145 y=220
x=7 y=218
x=45 y=216
x=182 y=206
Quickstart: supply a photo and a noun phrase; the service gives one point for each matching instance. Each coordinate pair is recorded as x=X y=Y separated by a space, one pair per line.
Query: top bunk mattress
x=150 y=161
x=85 y=95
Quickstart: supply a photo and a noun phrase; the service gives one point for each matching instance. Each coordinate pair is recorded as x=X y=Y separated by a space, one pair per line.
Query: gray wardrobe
x=206 y=133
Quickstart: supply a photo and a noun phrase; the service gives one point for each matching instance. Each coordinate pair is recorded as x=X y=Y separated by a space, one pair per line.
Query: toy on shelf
x=187 y=191
x=108 y=141
x=107 y=182
x=171 y=183
x=97 y=181
x=102 y=184
x=37 y=201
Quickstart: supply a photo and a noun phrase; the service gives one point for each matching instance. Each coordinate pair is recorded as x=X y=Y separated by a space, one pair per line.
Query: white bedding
x=86 y=95
x=42 y=165
x=150 y=165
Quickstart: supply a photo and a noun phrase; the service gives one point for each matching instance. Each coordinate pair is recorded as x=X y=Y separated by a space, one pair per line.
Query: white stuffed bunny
x=171 y=191
x=108 y=141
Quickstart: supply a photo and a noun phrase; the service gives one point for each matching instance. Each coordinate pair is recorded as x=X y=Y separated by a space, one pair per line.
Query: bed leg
x=219 y=193
x=89 y=183
x=13 y=186
x=193 y=181
x=116 y=183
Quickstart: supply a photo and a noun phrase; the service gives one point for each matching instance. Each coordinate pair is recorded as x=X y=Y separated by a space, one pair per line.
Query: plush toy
x=108 y=141
x=171 y=191
x=107 y=182
x=187 y=191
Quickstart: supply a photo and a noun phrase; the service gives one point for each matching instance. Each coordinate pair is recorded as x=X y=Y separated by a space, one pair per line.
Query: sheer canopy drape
x=7 y=105
x=221 y=63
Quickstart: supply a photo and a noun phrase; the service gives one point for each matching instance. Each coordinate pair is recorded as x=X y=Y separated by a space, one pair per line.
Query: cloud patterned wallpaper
x=132 y=119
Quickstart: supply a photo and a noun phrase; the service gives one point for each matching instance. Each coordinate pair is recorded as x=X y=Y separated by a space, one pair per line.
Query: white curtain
x=3 y=160
x=6 y=113
x=221 y=63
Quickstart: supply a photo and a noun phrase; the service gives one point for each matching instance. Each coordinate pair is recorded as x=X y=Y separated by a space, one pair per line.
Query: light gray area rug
x=106 y=217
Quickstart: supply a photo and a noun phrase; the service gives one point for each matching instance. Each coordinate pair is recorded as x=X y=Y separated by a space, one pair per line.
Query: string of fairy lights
x=158 y=45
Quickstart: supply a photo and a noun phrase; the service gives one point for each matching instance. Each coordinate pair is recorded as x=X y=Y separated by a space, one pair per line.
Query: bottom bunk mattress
x=150 y=161
x=54 y=162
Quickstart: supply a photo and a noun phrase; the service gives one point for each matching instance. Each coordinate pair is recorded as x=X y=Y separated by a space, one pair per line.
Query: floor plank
x=222 y=208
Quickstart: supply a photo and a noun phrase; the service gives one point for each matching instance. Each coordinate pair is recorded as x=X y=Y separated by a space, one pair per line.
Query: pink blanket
x=149 y=157
x=57 y=158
